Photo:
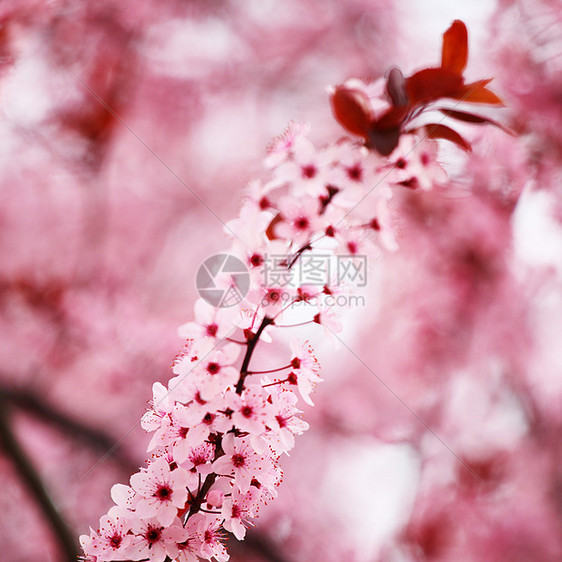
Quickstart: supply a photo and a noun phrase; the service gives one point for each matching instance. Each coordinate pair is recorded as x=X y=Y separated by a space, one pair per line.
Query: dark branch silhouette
x=28 y=401
x=26 y=471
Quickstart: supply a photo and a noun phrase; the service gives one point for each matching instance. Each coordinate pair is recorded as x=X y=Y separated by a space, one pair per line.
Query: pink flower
x=414 y=164
x=305 y=369
x=239 y=460
x=286 y=423
x=155 y=541
x=300 y=218
x=211 y=536
x=162 y=405
x=307 y=171
x=327 y=317
x=282 y=147
x=202 y=418
x=170 y=433
x=215 y=372
x=210 y=322
x=383 y=225
x=189 y=549
x=162 y=491
x=250 y=410
x=199 y=458
x=358 y=242
x=111 y=541
x=248 y=230
x=355 y=173
x=237 y=509
x=124 y=496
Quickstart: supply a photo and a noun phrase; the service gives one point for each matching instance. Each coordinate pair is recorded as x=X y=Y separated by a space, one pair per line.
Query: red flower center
x=238 y=460
x=247 y=411
x=256 y=260
x=164 y=493
x=213 y=368
x=153 y=534
x=355 y=172
x=212 y=330
x=308 y=171
x=209 y=536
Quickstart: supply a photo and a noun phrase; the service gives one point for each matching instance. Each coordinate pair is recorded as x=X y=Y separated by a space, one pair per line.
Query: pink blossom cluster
x=219 y=427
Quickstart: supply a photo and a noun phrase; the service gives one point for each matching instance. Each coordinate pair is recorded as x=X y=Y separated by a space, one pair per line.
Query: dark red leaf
x=352 y=110
x=454 y=55
x=384 y=141
x=431 y=84
x=472 y=118
x=436 y=131
x=464 y=116
x=391 y=118
x=476 y=92
x=396 y=87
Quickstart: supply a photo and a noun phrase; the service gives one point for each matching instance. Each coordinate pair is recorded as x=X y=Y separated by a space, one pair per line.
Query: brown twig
x=34 y=405
x=26 y=471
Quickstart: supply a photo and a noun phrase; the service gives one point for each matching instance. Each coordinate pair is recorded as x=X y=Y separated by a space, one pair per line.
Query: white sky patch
x=188 y=49
x=378 y=483
x=26 y=99
x=482 y=415
x=537 y=234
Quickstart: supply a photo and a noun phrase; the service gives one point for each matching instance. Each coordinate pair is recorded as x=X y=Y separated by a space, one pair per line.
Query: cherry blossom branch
x=252 y=342
x=217 y=437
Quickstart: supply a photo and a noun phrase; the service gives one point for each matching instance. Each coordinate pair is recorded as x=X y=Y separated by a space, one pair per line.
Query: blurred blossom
x=128 y=133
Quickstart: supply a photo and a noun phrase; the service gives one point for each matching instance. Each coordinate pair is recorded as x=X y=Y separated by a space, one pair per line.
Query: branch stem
x=29 y=475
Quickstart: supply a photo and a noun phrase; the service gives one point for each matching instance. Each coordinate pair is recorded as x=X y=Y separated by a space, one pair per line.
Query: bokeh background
x=128 y=131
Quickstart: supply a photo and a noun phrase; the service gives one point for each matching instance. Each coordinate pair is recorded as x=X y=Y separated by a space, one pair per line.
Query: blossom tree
x=434 y=433
x=220 y=426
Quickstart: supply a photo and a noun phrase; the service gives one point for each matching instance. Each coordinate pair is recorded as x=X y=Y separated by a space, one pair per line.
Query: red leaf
x=476 y=92
x=464 y=116
x=436 y=131
x=454 y=55
x=392 y=117
x=352 y=110
x=430 y=84
x=472 y=118
x=384 y=141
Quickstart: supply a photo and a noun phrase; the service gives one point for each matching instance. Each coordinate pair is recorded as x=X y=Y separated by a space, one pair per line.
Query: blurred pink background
x=128 y=132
